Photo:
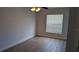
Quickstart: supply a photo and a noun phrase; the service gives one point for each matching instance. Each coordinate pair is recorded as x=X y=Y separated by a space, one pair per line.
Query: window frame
x=62 y=24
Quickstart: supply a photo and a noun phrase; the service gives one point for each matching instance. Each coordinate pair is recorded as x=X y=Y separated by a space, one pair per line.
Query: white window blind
x=54 y=23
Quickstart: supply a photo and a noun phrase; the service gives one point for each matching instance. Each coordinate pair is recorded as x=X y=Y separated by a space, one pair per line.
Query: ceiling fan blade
x=45 y=7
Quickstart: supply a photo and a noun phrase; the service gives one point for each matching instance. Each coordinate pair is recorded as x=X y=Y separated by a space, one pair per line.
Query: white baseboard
x=14 y=44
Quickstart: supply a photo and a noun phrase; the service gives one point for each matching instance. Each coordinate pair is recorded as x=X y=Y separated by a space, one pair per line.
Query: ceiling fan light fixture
x=33 y=9
x=38 y=9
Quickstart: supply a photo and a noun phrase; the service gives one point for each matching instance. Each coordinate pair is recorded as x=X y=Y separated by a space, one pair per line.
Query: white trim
x=14 y=44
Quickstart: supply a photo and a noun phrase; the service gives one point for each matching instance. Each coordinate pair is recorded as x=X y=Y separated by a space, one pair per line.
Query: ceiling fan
x=37 y=9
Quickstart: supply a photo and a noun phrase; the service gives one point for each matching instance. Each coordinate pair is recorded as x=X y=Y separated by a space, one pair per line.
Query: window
x=54 y=23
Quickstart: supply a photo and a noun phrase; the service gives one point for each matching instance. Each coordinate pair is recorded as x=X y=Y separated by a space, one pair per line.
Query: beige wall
x=41 y=22
x=16 y=24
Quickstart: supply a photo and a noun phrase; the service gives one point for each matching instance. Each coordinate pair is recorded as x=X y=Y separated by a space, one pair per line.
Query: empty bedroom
x=38 y=29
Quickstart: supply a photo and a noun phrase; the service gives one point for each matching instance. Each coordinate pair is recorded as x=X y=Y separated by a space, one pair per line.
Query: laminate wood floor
x=40 y=44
